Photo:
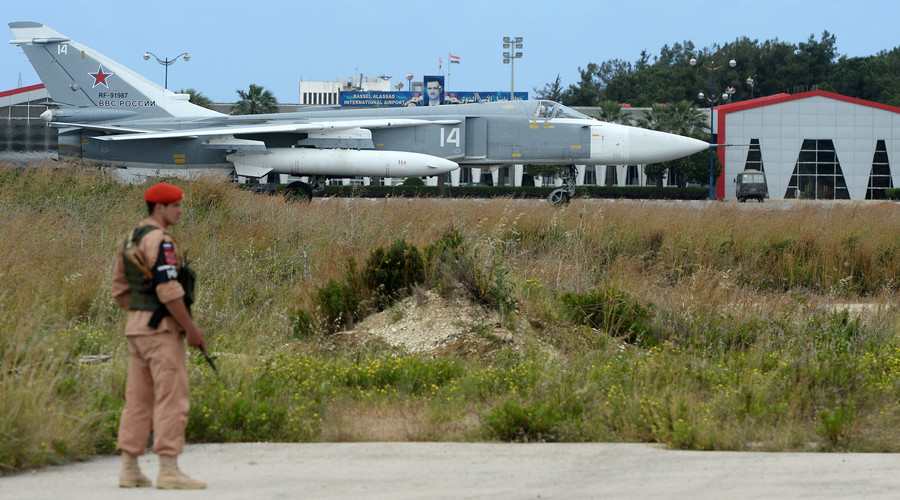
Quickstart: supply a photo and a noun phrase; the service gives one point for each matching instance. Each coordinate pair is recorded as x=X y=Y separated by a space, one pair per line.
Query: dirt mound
x=428 y=323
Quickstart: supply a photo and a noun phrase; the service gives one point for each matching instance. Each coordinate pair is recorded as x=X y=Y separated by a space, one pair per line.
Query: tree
x=682 y=118
x=552 y=91
x=817 y=58
x=198 y=98
x=677 y=54
x=612 y=69
x=875 y=78
x=611 y=111
x=776 y=66
x=256 y=101
x=587 y=92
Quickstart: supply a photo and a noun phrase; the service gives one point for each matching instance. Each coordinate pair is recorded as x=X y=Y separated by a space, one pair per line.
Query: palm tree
x=612 y=112
x=198 y=98
x=256 y=101
x=682 y=118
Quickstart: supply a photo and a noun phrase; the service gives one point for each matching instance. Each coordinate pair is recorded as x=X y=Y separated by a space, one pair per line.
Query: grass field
x=698 y=325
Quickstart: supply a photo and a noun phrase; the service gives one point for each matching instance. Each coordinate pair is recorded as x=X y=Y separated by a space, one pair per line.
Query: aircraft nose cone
x=651 y=146
x=442 y=165
x=47 y=116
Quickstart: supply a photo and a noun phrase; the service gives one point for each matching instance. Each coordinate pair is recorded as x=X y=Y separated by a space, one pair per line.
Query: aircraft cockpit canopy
x=547 y=110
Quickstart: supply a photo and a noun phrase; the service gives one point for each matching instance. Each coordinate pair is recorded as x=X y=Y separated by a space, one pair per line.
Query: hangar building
x=813 y=145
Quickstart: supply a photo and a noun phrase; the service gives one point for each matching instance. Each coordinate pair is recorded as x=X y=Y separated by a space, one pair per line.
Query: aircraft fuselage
x=109 y=113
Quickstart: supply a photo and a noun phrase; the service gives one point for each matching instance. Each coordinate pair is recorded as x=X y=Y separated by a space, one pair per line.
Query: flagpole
x=448 y=71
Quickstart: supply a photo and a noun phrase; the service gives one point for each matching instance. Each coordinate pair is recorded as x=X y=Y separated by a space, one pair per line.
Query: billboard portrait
x=434 y=90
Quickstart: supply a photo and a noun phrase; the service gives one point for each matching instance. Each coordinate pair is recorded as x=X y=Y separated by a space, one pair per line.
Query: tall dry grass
x=731 y=289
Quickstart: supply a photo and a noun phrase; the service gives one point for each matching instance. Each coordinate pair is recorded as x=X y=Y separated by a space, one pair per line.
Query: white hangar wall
x=816 y=144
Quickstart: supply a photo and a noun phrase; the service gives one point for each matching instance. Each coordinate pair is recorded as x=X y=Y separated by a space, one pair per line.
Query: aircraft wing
x=275 y=128
x=103 y=128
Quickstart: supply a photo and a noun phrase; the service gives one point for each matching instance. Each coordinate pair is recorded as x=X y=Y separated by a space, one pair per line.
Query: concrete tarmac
x=479 y=470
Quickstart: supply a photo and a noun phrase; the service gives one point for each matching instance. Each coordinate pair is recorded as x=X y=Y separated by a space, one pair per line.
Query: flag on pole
x=454 y=59
x=440 y=63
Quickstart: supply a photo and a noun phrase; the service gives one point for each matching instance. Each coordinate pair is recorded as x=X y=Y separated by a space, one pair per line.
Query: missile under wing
x=112 y=115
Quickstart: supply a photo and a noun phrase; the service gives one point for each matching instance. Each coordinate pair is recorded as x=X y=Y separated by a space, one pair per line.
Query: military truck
x=751 y=184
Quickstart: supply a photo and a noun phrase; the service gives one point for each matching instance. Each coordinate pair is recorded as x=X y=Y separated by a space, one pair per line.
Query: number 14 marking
x=450 y=138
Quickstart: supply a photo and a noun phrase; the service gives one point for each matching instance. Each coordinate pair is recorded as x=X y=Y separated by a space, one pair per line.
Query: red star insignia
x=100 y=77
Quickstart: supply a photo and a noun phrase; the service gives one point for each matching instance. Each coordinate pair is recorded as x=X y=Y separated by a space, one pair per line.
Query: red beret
x=163 y=193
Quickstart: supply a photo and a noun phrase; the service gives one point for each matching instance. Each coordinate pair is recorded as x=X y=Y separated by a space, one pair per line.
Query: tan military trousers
x=157 y=396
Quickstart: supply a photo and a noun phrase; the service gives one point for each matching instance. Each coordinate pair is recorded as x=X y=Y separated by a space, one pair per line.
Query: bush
x=413 y=181
x=391 y=273
x=302 y=325
x=339 y=303
x=614 y=192
x=451 y=262
x=538 y=421
x=610 y=310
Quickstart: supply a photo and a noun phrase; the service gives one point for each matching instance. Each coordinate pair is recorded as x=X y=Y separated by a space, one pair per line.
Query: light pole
x=167 y=62
x=751 y=82
x=409 y=77
x=712 y=102
x=510 y=57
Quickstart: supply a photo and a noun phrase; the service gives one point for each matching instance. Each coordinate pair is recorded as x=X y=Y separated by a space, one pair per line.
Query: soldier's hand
x=195 y=338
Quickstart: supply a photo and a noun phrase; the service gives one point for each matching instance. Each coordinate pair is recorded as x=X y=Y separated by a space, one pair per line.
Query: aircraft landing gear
x=559 y=197
x=298 y=191
x=564 y=195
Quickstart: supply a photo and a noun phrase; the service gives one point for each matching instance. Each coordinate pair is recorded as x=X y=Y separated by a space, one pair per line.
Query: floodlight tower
x=512 y=43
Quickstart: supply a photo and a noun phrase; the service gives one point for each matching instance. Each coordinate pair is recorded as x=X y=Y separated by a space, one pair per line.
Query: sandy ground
x=459 y=470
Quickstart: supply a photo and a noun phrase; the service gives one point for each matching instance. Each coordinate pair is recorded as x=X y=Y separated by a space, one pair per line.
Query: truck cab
x=751 y=184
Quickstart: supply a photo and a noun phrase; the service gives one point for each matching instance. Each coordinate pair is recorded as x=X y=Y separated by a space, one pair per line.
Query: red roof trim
x=22 y=90
x=780 y=98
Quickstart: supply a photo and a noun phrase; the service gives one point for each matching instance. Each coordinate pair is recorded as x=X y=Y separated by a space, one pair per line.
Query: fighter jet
x=112 y=115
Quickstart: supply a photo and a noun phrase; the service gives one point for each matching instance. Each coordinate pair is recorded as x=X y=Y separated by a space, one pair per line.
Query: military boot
x=130 y=476
x=171 y=478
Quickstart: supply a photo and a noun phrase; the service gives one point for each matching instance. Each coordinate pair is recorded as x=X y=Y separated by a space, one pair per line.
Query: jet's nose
x=651 y=146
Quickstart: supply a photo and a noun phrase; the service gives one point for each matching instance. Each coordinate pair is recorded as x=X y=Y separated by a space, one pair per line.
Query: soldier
x=147 y=282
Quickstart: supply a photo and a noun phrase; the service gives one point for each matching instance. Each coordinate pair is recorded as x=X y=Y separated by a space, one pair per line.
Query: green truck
x=751 y=184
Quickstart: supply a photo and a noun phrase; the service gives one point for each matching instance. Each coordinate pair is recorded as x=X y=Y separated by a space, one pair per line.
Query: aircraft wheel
x=298 y=191
x=559 y=197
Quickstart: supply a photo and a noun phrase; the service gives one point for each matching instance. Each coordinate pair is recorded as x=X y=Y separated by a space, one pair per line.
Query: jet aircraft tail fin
x=79 y=76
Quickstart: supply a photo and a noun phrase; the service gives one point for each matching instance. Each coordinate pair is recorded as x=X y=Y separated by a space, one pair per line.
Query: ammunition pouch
x=187 y=277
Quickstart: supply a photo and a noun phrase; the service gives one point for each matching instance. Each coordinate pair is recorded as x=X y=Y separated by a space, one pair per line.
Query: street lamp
x=398 y=86
x=167 y=62
x=409 y=77
x=751 y=82
x=712 y=102
x=510 y=57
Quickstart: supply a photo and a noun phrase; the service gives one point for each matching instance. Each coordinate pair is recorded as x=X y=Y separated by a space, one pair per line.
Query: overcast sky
x=278 y=43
